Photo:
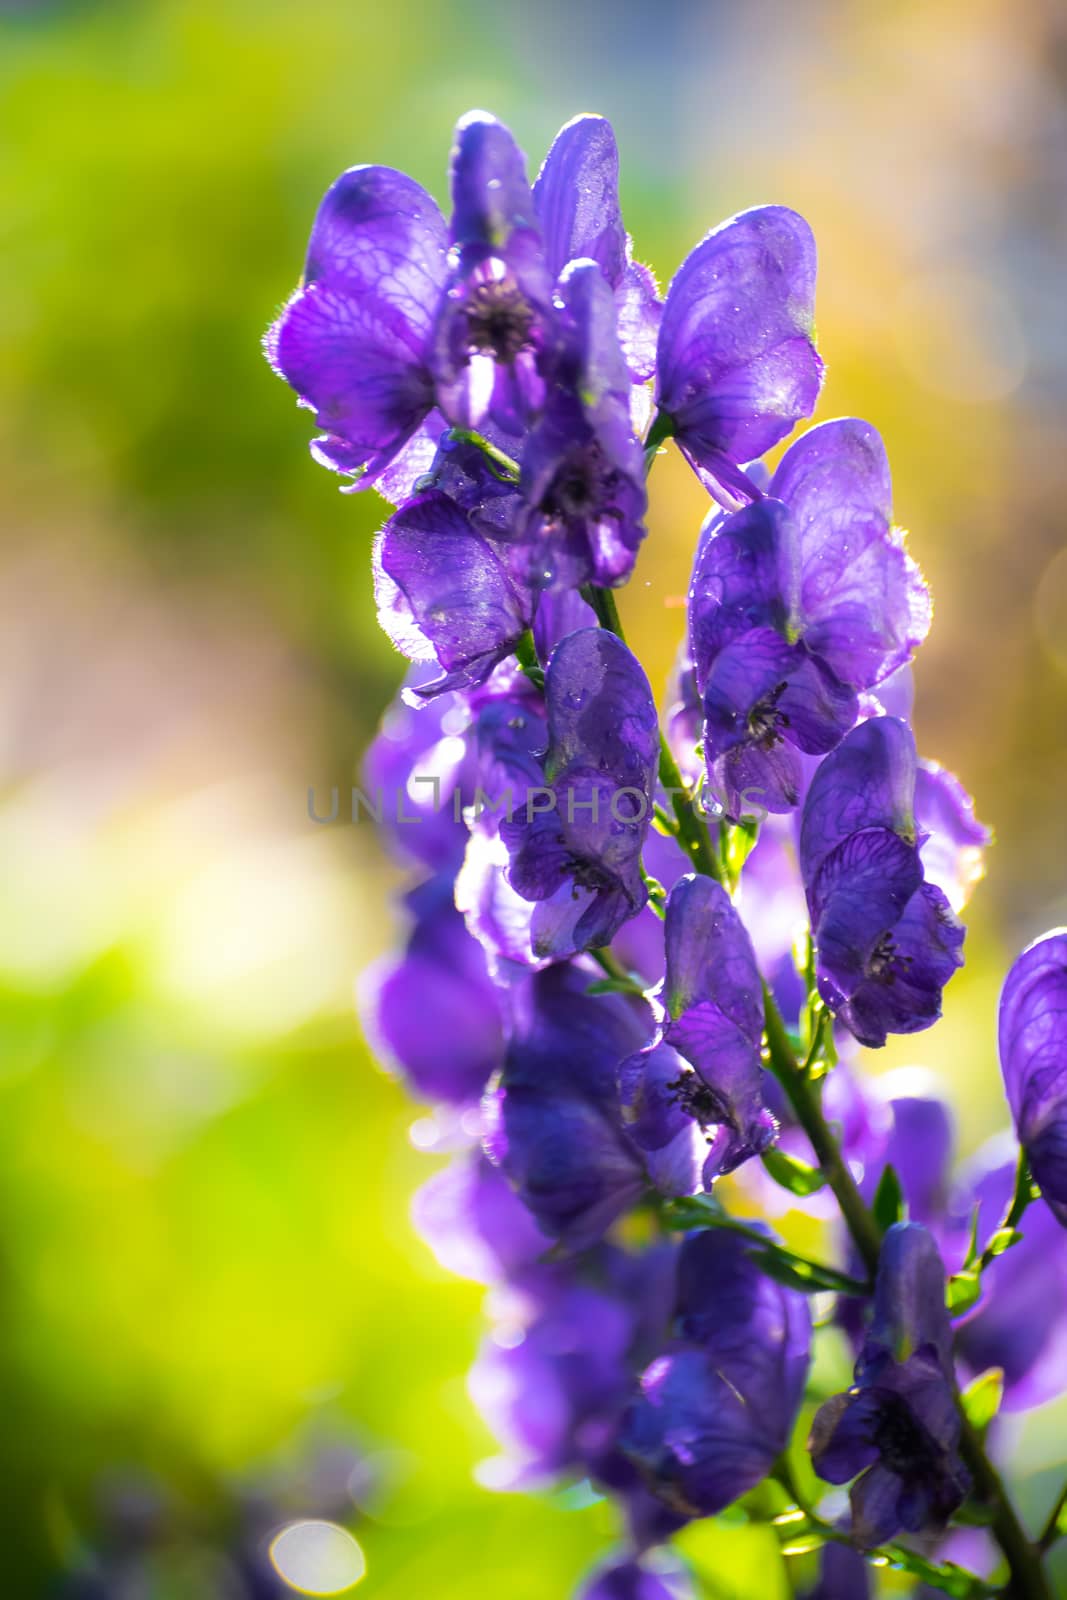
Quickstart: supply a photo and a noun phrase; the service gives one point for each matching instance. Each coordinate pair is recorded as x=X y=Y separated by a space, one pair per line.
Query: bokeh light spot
x=316 y=1557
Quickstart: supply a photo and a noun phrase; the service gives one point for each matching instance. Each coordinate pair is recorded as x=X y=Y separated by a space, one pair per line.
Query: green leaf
x=796 y=1176
x=981 y=1398
x=888 y=1207
x=962 y=1291
x=797 y=1272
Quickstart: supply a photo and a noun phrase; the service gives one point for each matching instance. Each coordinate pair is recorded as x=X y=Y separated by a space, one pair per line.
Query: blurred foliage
x=203 y=1180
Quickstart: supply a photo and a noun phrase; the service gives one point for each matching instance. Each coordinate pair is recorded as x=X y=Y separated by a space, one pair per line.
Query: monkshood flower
x=552 y=1120
x=396 y=310
x=1020 y=1323
x=897 y=1430
x=435 y=1012
x=900 y=1122
x=475 y=1223
x=497 y=312
x=918 y=1145
x=354 y=340
x=702 y=1072
x=576 y=852
x=1033 y=1059
x=554 y=1378
x=628 y=1579
x=737 y=365
x=798 y=604
x=717 y=1408
x=886 y=941
x=576 y=197
x=953 y=849
x=582 y=468
x=447 y=580
x=418 y=772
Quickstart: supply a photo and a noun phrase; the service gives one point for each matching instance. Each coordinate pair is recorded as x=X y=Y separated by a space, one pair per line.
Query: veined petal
x=862 y=602
x=710 y=955
x=1033 y=1058
x=490 y=193
x=451 y=584
x=737 y=582
x=577 y=199
x=867 y=782
x=353 y=341
x=737 y=362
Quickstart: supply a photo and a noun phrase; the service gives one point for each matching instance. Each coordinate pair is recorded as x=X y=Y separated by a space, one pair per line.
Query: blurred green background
x=205 y=1258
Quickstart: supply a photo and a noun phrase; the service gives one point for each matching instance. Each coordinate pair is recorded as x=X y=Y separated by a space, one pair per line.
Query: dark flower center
x=885 y=961
x=499 y=319
x=582 y=485
x=903 y=1443
x=698 y=1101
x=765 y=721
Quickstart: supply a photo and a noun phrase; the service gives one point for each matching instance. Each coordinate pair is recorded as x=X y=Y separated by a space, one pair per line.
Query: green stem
x=1052 y=1530
x=609 y=963
x=683 y=1215
x=1022 y=1195
x=1028 y=1578
x=692 y=830
x=526 y=656
x=948 y=1578
x=661 y=430
x=803 y=1096
x=497 y=458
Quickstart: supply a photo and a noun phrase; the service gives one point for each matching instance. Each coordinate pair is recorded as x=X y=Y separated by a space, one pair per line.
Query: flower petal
x=737 y=362
x=434 y=572
x=867 y=782
x=353 y=339
x=862 y=602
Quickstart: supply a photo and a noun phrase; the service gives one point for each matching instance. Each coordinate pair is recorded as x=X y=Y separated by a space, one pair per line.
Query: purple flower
x=577 y=855
x=435 y=1011
x=918 y=1147
x=417 y=772
x=886 y=941
x=797 y=605
x=1033 y=1059
x=897 y=1431
x=552 y=1117
x=626 y=1579
x=446 y=580
x=716 y=1409
x=703 y=1070
x=736 y=356
x=1020 y=1323
x=475 y=1223
x=354 y=339
x=555 y=1378
x=953 y=851
x=582 y=468
x=576 y=197
x=497 y=311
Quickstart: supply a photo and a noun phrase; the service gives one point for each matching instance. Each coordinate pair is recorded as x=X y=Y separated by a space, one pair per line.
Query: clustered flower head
x=638 y=961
